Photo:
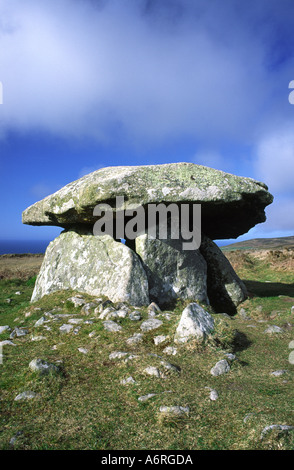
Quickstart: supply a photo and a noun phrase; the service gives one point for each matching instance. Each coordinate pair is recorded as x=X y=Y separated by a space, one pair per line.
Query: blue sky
x=88 y=84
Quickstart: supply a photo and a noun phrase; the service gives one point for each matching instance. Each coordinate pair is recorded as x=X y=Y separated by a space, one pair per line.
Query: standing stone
x=195 y=323
x=172 y=272
x=224 y=288
x=95 y=265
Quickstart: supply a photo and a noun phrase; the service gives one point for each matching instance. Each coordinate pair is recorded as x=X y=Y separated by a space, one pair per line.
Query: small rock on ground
x=221 y=367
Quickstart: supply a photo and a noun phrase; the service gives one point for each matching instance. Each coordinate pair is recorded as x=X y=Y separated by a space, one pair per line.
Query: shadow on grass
x=269 y=289
x=241 y=342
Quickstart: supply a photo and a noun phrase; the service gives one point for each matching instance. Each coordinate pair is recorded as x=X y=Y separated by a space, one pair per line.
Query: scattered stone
x=15 y=437
x=112 y=326
x=121 y=313
x=38 y=338
x=18 y=332
x=195 y=323
x=40 y=322
x=151 y=370
x=8 y=301
x=159 y=339
x=135 y=339
x=280 y=428
x=4 y=328
x=170 y=350
x=231 y=357
x=103 y=305
x=117 y=355
x=274 y=329
x=92 y=334
x=25 y=396
x=175 y=411
x=170 y=367
x=147 y=397
x=221 y=367
x=167 y=315
x=66 y=328
x=17 y=293
x=43 y=367
x=78 y=301
x=291 y=344
x=150 y=324
x=88 y=307
x=278 y=373
x=243 y=314
x=248 y=417
x=76 y=330
x=7 y=342
x=128 y=380
x=135 y=316
x=108 y=313
x=213 y=394
x=83 y=350
x=154 y=307
x=75 y=321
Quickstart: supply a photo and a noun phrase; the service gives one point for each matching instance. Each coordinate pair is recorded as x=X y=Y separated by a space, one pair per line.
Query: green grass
x=86 y=407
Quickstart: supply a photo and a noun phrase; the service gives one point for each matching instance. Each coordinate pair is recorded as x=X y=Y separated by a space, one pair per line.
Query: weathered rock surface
x=43 y=367
x=221 y=367
x=231 y=205
x=225 y=289
x=195 y=323
x=172 y=272
x=95 y=265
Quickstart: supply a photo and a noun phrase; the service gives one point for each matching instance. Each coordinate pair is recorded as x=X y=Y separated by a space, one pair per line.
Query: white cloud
x=275 y=160
x=75 y=70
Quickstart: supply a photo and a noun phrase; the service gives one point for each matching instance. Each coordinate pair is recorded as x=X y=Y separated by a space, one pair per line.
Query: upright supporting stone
x=172 y=272
x=225 y=289
x=95 y=265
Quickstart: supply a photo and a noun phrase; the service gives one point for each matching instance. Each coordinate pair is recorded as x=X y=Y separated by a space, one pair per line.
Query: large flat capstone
x=230 y=204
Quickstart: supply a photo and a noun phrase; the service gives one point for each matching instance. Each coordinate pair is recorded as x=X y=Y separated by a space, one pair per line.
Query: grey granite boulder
x=172 y=272
x=220 y=368
x=195 y=323
x=95 y=265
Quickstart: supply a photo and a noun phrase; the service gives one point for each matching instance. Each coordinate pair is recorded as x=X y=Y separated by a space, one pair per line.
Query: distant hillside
x=261 y=244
